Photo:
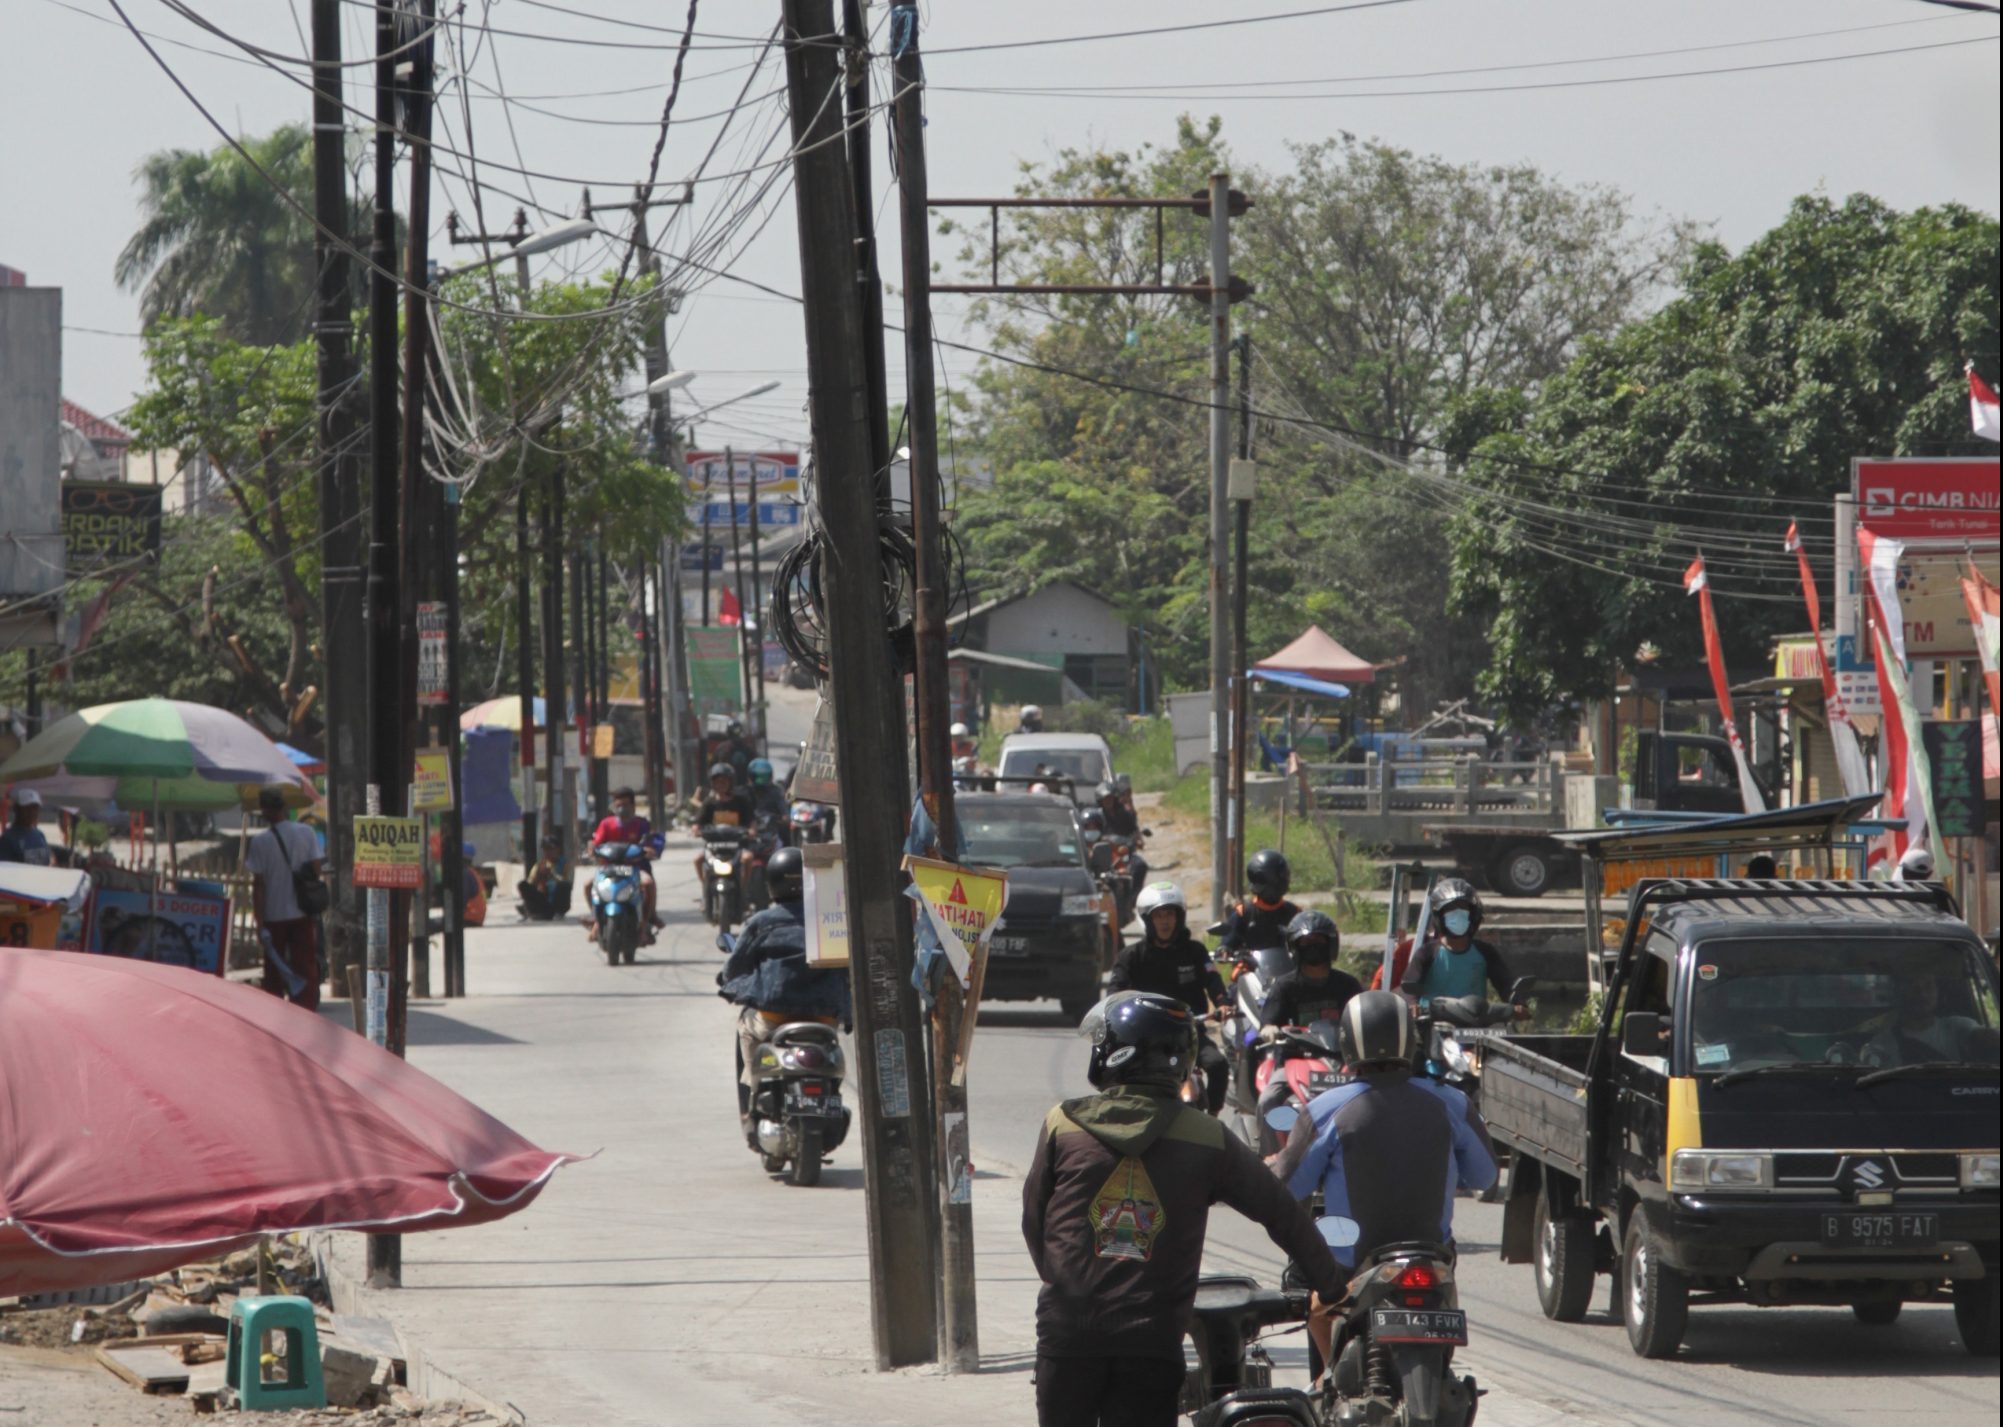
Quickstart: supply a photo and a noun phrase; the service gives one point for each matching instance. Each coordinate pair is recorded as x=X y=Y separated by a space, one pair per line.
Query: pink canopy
x=1320 y=657
x=151 y=1116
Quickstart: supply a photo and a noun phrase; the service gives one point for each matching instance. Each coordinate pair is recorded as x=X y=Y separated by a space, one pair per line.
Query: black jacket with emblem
x=1182 y=969
x=1114 y=1210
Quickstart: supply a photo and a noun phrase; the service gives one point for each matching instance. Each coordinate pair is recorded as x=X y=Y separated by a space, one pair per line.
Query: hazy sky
x=81 y=103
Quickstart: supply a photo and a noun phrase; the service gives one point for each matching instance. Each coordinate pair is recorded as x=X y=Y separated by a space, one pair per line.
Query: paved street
x=668 y=1280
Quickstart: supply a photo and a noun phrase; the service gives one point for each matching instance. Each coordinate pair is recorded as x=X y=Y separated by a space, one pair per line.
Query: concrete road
x=1759 y=1368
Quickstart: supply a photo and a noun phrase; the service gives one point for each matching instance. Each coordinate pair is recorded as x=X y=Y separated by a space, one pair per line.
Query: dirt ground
x=1179 y=847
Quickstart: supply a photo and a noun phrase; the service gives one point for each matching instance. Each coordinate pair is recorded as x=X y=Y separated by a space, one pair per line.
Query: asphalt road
x=1758 y=1367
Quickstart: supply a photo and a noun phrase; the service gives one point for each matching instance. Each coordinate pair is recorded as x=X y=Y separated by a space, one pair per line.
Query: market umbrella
x=504 y=712
x=161 y=751
x=151 y=1116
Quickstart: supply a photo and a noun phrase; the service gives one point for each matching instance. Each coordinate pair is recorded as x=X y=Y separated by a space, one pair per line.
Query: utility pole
x=737 y=576
x=896 y=1130
x=389 y=766
x=344 y=636
x=555 y=706
x=855 y=118
x=959 y=1323
x=1220 y=475
x=1243 y=477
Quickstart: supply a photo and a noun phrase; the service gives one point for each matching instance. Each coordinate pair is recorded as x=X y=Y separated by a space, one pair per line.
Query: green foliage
x=1839 y=333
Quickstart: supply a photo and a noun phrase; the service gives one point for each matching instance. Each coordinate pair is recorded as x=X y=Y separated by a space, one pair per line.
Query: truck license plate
x=1419 y=1325
x=1887 y=1230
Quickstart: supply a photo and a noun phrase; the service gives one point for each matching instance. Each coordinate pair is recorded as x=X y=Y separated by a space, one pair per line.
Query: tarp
x=1318 y=656
x=487 y=769
x=1302 y=682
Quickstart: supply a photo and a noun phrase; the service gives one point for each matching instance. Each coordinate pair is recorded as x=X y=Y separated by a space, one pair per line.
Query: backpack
x=311 y=893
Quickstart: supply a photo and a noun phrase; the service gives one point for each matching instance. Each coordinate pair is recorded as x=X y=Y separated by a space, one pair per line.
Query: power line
x=1153 y=30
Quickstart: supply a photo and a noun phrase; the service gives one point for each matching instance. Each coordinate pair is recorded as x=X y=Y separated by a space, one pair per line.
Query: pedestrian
x=545 y=892
x=287 y=895
x=1114 y=1209
x=24 y=840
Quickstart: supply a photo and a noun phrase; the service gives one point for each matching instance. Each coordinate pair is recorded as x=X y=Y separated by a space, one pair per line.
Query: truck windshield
x=1020 y=836
x=1085 y=767
x=1871 y=1003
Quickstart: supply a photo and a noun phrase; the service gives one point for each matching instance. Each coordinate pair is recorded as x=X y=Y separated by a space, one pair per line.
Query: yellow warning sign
x=431 y=781
x=966 y=901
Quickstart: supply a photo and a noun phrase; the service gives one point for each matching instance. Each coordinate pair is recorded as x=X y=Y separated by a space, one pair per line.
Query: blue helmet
x=1139 y=1035
x=760 y=771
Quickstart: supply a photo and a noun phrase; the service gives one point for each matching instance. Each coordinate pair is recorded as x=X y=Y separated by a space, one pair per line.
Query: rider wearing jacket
x=1168 y=961
x=1114 y=1209
x=1314 y=990
x=1261 y=919
x=767 y=974
x=1451 y=962
x=767 y=801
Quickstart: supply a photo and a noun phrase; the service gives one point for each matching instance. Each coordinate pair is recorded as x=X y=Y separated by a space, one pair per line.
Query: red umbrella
x=151 y=1116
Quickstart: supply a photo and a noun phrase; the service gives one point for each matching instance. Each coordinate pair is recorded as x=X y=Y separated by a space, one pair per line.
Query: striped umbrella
x=504 y=712
x=159 y=752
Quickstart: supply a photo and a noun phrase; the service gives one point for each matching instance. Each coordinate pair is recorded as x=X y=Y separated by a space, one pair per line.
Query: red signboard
x=1929 y=498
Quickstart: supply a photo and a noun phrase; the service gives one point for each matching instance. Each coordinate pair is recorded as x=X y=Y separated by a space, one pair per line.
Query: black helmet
x=1449 y=893
x=1139 y=1035
x=1376 y=1029
x=1268 y=874
x=722 y=770
x=784 y=873
x=1091 y=821
x=1313 y=938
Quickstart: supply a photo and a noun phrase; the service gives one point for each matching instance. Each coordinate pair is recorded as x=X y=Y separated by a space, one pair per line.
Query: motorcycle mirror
x=1282 y=1118
x=1522 y=988
x=1214 y=929
x=1338 y=1232
x=725 y=944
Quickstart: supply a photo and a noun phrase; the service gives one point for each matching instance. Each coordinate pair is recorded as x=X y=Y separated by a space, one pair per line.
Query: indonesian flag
x=1908 y=785
x=1698 y=583
x=1842 y=736
x=1981 y=598
x=1982 y=407
x=728 y=610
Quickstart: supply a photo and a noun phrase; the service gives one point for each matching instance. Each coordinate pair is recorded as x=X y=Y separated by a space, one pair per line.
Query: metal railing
x=1453 y=786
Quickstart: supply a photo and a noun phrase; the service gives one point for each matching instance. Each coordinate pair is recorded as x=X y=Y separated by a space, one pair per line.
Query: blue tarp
x=1300 y=682
x=486 y=767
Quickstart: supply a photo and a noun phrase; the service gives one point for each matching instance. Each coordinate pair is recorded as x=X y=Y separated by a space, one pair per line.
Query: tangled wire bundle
x=799 y=597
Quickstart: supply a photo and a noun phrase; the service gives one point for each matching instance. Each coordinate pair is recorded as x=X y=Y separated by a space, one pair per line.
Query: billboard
x=109 y=523
x=767 y=475
x=1922 y=498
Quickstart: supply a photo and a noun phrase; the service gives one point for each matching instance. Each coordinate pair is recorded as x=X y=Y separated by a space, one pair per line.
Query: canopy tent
x=1318 y=656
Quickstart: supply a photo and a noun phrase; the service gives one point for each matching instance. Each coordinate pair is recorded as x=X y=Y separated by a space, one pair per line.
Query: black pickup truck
x=1791 y=1098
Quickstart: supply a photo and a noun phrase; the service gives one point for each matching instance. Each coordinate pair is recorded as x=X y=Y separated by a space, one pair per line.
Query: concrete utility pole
x=959 y=1324
x=556 y=769
x=344 y=636
x=891 y=1084
x=1220 y=476
x=1243 y=477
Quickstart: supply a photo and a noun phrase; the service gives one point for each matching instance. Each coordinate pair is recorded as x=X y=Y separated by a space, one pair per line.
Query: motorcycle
x=1452 y=1029
x=618 y=900
x=1231 y=1384
x=1119 y=877
x=809 y=823
x=765 y=838
x=1311 y=1065
x=1254 y=970
x=795 y=1103
x=722 y=887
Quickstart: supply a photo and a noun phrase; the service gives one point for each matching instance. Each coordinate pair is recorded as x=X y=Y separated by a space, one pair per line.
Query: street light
x=718 y=406
x=673 y=381
x=557 y=237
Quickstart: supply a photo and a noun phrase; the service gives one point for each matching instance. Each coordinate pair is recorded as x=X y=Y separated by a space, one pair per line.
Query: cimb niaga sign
x=1922 y=498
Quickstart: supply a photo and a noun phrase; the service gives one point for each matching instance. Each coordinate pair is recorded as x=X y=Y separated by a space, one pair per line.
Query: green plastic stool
x=252 y=1322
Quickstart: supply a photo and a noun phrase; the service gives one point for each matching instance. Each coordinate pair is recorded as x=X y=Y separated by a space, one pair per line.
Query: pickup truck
x=1791 y=1097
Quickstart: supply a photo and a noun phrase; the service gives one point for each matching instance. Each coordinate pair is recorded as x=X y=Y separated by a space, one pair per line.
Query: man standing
x=279 y=858
x=1114 y=1210
x=24 y=840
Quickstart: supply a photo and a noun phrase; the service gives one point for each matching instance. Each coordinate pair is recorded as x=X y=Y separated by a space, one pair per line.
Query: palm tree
x=220 y=239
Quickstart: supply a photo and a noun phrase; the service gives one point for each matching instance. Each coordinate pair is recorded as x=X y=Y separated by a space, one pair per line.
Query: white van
x=1084 y=758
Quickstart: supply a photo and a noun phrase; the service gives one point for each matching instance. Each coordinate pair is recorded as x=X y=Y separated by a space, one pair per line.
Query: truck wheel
x=1655 y=1298
x=1975 y=1314
x=1522 y=871
x=1564 y=1262
x=1879 y=1314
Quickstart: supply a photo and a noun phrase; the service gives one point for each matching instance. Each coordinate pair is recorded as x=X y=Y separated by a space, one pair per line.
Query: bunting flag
x=1842 y=736
x=1982 y=414
x=1908 y=789
x=1698 y=583
x=1981 y=598
x=728 y=610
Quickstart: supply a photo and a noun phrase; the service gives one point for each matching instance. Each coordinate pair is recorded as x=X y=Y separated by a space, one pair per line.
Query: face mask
x=1314 y=953
x=1458 y=922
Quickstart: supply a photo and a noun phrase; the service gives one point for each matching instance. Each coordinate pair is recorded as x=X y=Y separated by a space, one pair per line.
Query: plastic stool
x=252 y=1321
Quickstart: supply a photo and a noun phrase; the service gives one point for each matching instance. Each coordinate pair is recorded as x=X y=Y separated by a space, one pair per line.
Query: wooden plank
x=149 y=1369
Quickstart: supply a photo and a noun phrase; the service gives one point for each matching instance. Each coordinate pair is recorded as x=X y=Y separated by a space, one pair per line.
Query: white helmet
x=1157 y=895
x=959 y=730
x=1916 y=865
x=1032 y=711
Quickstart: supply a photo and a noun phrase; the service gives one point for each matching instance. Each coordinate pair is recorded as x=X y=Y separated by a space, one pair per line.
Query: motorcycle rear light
x=812 y=1089
x=1416 y=1300
x=1418 y=1275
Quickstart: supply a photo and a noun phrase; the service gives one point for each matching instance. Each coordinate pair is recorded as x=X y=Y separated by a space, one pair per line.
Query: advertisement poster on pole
x=963 y=904
x=824 y=904
x=389 y=852
x=431 y=679
x=431 y=781
x=814 y=776
x=716 y=669
x=752 y=475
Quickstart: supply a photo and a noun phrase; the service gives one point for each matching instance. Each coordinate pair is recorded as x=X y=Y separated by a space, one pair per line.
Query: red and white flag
x=728 y=610
x=1908 y=784
x=1982 y=600
x=1842 y=736
x=1697 y=582
x=1982 y=407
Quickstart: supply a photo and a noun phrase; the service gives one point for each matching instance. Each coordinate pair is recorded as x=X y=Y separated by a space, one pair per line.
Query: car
x=1084 y=758
x=1055 y=937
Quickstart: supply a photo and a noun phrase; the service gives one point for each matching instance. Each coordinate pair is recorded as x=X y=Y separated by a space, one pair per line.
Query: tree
x=1708 y=425
x=219 y=237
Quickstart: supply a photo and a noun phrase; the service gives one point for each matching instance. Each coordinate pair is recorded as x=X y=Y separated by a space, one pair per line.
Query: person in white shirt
x=276 y=858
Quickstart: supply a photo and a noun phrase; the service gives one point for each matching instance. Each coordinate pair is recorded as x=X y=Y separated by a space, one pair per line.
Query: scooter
x=1254 y=971
x=795 y=1102
x=722 y=887
x=1312 y=1064
x=1232 y=1382
x=618 y=900
x=765 y=838
x=1452 y=1029
x=809 y=822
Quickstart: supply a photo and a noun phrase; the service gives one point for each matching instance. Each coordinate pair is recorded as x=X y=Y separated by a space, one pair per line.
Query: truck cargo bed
x=1533 y=1095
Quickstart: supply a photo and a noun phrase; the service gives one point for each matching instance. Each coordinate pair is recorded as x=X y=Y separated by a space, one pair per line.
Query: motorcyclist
x=768 y=976
x=735 y=748
x=625 y=826
x=1261 y=919
x=1387 y=1146
x=1315 y=990
x=1030 y=720
x=1167 y=960
x=1114 y=1209
x=1451 y=962
x=964 y=747
x=724 y=805
x=767 y=799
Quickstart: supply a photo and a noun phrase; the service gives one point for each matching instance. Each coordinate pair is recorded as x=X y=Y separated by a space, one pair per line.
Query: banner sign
x=431 y=781
x=1954 y=755
x=171 y=928
x=1929 y=498
x=1857 y=677
x=109 y=523
x=824 y=904
x=716 y=668
x=764 y=475
x=697 y=558
x=431 y=652
x=816 y=776
x=389 y=852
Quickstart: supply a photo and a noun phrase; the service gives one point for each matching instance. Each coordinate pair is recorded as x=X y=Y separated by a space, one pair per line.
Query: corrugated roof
x=100 y=432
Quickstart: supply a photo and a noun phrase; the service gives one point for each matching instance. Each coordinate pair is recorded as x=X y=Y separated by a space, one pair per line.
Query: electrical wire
x=1153 y=30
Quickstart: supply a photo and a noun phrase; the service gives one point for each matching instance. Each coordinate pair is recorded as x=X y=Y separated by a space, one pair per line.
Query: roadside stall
x=42 y=907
